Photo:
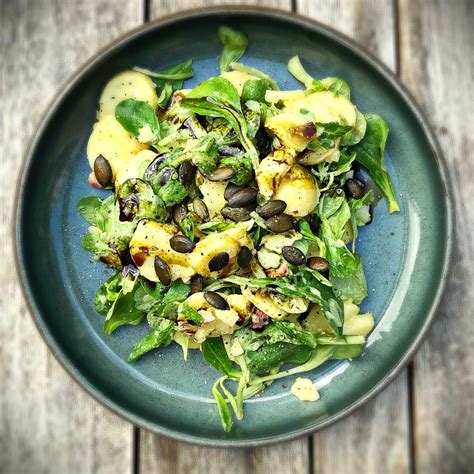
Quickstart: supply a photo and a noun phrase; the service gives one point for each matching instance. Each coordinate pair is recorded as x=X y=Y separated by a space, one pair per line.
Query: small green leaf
x=235 y=43
x=122 y=312
x=137 y=117
x=218 y=89
x=162 y=334
x=224 y=412
x=214 y=353
x=88 y=207
x=370 y=154
x=254 y=89
x=191 y=314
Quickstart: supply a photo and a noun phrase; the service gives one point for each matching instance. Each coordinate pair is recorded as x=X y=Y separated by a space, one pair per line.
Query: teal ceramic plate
x=405 y=254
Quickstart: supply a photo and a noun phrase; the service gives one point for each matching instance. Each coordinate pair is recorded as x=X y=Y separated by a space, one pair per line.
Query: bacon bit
x=259 y=319
x=92 y=180
x=282 y=270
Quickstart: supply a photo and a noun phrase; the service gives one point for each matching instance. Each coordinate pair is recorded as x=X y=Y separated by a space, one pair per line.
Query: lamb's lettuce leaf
x=235 y=43
x=370 y=154
x=139 y=119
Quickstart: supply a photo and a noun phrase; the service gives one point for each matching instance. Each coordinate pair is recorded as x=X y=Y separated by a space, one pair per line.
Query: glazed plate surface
x=405 y=254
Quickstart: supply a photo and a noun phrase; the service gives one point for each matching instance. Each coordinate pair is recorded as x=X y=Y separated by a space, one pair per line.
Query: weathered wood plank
x=437 y=64
x=376 y=437
x=158 y=454
x=165 y=7
x=47 y=423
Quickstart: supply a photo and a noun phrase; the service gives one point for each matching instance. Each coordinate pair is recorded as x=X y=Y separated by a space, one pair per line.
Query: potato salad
x=231 y=218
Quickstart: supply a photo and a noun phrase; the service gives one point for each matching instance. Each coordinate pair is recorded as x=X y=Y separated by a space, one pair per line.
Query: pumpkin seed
x=179 y=212
x=243 y=197
x=162 y=271
x=271 y=208
x=244 y=257
x=103 y=171
x=197 y=283
x=221 y=174
x=293 y=255
x=219 y=261
x=182 y=244
x=186 y=172
x=216 y=300
x=236 y=214
x=200 y=209
x=230 y=190
x=280 y=223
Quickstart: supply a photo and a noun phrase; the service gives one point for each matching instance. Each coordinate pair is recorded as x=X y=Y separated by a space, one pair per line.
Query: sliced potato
x=290 y=304
x=356 y=324
x=208 y=247
x=264 y=302
x=238 y=79
x=126 y=85
x=316 y=322
x=150 y=239
x=216 y=321
x=326 y=107
x=276 y=242
x=213 y=196
x=271 y=171
x=293 y=130
x=299 y=190
x=240 y=303
x=268 y=259
x=111 y=140
x=129 y=168
x=277 y=96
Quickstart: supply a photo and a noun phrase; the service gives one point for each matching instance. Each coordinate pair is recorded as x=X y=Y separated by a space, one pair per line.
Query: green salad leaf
x=139 y=119
x=215 y=354
x=123 y=310
x=161 y=335
x=235 y=43
x=370 y=154
x=169 y=80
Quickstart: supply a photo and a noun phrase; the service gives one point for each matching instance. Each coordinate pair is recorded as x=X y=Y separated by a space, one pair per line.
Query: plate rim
x=48 y=114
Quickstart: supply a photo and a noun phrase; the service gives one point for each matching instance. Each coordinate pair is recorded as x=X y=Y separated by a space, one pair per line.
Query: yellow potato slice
x=208 y=248
x=264 y=302
x=271 y=171
x=213 y=196
x=293 y=130
x=238 y=79
x=356 y=324
x=128 y=168
x=277 y=96
x=299 y=190
x=150 y=239
x=325 y=107
x=126 y=85
x=111 y=140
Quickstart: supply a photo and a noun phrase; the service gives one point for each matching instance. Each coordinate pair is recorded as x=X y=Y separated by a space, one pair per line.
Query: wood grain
x=437 y=64
x=47 y=423
x=158 y=454
x=375 y=439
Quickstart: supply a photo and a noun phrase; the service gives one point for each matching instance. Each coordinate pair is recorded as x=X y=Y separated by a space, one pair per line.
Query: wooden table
x=423 y=422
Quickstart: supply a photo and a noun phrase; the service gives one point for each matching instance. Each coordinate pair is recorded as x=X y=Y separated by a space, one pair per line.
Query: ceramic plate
x=405 y=254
